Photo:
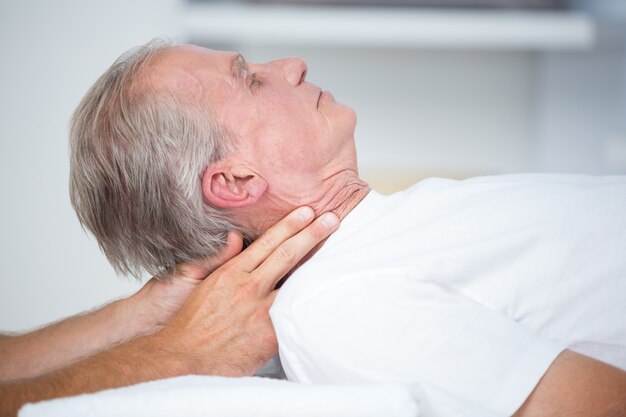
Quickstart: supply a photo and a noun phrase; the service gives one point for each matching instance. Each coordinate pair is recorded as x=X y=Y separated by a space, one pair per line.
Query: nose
x=294 y=70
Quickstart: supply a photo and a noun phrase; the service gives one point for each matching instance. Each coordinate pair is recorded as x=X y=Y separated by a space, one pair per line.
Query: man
x=186 y=323
x=473 y=291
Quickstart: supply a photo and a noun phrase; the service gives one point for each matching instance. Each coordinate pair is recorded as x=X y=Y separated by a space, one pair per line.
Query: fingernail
x=305 y=213
x=329 y=220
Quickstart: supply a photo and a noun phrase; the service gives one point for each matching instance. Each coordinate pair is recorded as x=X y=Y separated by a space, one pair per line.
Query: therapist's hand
x=224 y=327
x=145 y=312
x=162 y=297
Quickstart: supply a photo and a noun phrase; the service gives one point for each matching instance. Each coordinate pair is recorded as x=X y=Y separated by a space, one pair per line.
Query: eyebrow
x=237 y=65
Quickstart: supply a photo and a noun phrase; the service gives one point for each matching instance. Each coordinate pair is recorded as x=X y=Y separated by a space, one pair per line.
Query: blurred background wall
x=430 y=107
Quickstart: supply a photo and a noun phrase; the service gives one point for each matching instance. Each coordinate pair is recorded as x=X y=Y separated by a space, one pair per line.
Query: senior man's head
x=176 y=145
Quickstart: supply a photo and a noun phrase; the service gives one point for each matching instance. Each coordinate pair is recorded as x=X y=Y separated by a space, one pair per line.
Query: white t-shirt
x=467 y=289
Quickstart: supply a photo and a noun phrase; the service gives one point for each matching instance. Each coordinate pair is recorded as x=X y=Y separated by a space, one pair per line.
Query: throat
x=341 y=198
x=346 y=199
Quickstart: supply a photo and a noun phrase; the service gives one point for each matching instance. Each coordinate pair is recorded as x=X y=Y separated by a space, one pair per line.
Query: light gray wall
x=581 y=112
x=581 y=101
x=420 y=112
x=51 y=52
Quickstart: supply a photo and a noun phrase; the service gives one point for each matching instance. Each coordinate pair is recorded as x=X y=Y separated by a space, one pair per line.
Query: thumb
x=234 y=245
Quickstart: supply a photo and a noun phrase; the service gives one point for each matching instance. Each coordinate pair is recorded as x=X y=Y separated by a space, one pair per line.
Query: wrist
x=135 y=312
x=170 y=354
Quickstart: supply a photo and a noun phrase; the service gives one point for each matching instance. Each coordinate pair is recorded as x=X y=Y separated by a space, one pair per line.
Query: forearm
x=223 y=327
x=577 y=385
x=141 y=359
x=62 y=343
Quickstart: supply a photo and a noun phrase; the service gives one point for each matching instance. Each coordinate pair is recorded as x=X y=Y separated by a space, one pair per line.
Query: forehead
x=192 y=72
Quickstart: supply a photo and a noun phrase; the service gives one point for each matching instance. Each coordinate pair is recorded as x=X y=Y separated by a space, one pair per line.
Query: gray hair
x=136 y=161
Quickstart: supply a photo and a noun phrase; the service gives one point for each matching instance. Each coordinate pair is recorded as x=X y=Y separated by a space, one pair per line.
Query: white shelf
x=388 y=27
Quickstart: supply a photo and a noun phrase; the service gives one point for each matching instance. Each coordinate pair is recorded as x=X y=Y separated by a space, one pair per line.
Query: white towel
x=206 y=396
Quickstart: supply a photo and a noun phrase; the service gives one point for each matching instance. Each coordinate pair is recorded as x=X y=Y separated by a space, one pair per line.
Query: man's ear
x=232 y=187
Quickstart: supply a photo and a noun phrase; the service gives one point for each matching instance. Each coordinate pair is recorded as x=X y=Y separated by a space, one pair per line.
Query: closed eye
x=254 y=82
x=239 y=68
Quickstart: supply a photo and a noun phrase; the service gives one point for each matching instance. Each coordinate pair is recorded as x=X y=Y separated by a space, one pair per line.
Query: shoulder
x=388 y=328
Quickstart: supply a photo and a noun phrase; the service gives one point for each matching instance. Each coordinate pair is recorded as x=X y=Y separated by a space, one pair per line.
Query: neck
x=339 y=194
x=341 y=197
